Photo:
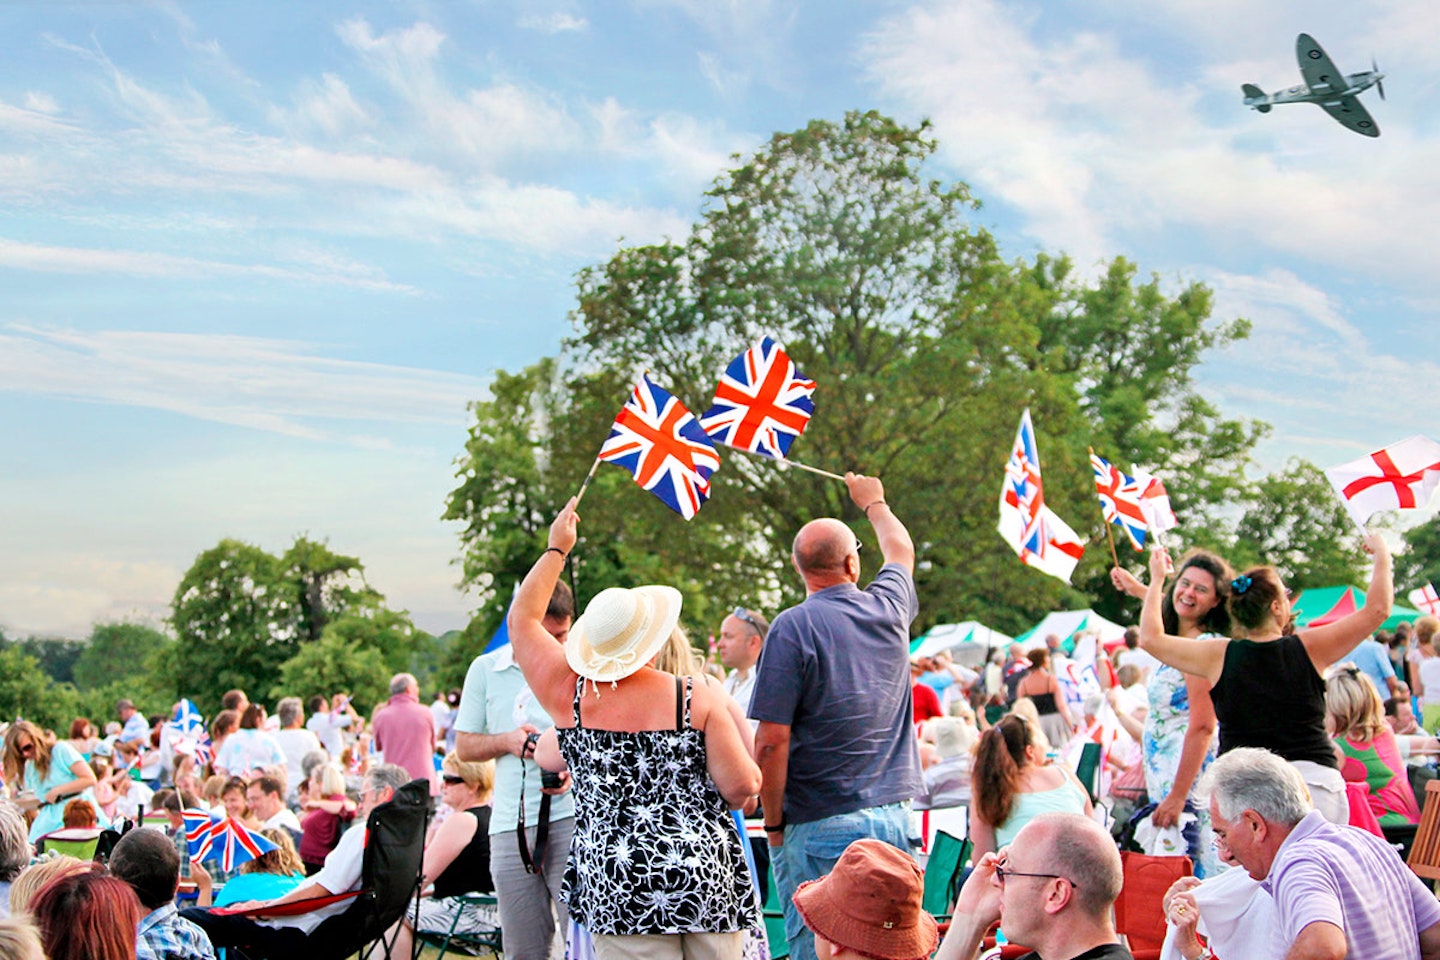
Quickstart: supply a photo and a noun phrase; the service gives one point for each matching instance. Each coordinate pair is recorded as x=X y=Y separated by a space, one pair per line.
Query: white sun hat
x=621 y=631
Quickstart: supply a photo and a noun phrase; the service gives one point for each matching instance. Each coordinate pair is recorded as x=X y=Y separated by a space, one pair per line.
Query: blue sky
x=255 y=258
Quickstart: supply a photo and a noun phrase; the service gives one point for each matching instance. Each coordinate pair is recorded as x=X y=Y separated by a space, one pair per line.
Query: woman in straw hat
x=657 y=761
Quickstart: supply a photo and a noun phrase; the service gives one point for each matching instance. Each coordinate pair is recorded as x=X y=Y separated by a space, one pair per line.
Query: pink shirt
x=405 y=734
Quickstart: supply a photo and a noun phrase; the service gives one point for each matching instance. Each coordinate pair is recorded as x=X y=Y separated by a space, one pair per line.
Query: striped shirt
x=1355 y=880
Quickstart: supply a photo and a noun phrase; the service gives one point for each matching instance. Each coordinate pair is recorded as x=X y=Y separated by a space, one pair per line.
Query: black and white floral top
x=654 y=851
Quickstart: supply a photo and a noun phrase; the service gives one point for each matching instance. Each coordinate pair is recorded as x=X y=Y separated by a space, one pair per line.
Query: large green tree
x=240 y=614
x=925 y=343
x=117 y=652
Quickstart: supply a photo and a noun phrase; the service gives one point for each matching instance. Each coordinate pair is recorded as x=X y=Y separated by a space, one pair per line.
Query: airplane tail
x=1252 y=92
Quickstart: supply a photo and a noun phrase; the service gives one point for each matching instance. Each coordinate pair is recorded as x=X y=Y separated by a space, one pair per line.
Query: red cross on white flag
x=1426 y=599
x=1402 y=476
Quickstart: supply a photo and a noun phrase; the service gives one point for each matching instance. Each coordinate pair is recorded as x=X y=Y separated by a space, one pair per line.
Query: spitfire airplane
x=1324 y=84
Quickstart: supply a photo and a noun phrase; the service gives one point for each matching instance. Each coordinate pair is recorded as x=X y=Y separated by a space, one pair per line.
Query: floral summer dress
x=655 y=851
x=1165 y=726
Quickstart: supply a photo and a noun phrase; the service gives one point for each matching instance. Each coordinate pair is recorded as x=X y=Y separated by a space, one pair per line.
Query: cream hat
x=621 y=630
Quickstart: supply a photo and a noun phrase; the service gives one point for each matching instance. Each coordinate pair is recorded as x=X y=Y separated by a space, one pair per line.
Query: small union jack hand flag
x=1426 y=599
x=1155 y=502
x=762 y=403
x=1119 y=499
x=663 y=447
x=233 y=844
x=198 y=824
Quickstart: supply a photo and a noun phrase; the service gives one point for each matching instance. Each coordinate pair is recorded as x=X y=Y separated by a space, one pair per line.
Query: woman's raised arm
x=540 y=658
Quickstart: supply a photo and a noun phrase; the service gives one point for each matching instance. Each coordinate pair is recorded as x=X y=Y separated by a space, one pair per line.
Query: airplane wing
x=1352 y=113
x=1320 y=73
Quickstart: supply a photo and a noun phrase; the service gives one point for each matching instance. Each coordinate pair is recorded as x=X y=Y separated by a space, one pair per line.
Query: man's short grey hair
x=313 y=759
x=290 y=711
x=1084 y=853
x=1248 y=778
x=388 y=775
x=402 y=682
x=14 y=843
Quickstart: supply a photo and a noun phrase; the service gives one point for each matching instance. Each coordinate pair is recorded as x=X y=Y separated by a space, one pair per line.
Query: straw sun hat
x=870 y=903
x=621 y=630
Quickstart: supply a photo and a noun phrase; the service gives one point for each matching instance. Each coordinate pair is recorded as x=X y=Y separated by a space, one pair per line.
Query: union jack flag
x=1034 y=531
x=762 y=403
x=198 y=824
x=1426 y=599
x=663 y=447
x=233 y=844
x=1119 y=499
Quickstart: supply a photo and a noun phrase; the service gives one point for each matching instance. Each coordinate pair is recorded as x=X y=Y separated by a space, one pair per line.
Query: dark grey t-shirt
x=836 y=670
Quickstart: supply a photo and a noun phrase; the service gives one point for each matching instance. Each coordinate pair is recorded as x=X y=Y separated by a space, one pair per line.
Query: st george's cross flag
x=1154 y=502
x=1040 y=538
x=663 y=447
x=1402 y=476
x=762 y=403
x=1426 y=599
x=1119 y=499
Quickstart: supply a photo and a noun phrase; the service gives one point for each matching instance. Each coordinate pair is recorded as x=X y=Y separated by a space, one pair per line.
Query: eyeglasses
x=1004 y=872
x=27 y=748
x=859 y=544
x=451 y=779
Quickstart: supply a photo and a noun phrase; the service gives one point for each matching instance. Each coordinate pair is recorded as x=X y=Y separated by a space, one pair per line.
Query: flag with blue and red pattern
x=663 y=447
x=233 y=844
x=762 y=403
x=1119 y=499
x=198 y=824
x=1034 y=531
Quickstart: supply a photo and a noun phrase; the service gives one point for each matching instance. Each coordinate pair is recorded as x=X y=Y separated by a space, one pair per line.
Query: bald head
x=823 y=549
x=1081 y=851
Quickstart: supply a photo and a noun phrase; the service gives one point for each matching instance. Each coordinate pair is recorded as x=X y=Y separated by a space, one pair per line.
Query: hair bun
x=1241 y=583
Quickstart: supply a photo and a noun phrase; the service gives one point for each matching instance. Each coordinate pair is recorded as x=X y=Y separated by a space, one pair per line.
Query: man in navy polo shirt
x=833 y=696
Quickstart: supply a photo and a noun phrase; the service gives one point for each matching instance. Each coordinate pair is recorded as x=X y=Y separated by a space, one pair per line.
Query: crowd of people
x=598 y=776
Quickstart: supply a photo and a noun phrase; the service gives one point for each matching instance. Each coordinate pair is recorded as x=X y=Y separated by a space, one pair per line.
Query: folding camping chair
x=471 y=944
x=942 y=875
x=390 y=875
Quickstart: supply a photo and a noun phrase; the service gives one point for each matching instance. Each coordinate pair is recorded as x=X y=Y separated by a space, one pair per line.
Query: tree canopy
x=925 y=343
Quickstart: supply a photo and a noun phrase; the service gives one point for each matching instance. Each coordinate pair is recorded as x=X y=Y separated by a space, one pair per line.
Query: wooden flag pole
x=586 y=485
x=791 y=463
x=1109 y=534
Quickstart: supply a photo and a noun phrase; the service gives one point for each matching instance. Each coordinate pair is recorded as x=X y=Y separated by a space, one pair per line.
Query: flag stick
x=1109 y=534
x=792 y=463
x=586 y=485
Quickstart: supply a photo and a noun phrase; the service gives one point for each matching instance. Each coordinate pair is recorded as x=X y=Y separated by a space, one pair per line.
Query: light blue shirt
x=497 y=700
x=1375 y=663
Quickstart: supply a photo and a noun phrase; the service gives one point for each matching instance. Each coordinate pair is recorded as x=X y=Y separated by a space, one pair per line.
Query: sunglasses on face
x=451 y=779
x=26 y=749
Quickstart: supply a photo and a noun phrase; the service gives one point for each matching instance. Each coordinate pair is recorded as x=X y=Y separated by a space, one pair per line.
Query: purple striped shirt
x=1355 y=880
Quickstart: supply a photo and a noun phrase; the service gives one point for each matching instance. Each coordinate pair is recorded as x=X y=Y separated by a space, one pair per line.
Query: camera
x=550 y=780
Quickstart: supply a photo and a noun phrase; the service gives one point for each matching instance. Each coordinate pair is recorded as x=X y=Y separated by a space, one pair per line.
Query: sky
x=255 y=259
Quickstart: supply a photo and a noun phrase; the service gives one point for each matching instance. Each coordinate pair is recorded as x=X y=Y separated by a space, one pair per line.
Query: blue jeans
x=811 y=850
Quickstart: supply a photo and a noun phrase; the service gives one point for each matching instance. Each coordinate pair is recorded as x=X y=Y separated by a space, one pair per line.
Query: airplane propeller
x=1379 y=84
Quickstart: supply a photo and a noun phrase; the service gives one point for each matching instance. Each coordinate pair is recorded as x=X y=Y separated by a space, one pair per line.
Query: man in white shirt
x=295 y=742
x=742 y=634
x=266 y=796
x=330 y=721
x=283 y=938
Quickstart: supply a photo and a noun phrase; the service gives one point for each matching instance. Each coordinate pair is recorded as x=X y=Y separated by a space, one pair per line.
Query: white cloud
x=53 y=259
x=326 y=106
x=557 y=22
x=63 y=595
x=279 y=386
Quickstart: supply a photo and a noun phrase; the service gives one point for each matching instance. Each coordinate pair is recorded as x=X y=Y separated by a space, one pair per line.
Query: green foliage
x=116 y=652
x=335 y=664
x=1296 y=523
x=55 y=657
x=26 y=692
x=926 y=346
x=240 y=614
x=1419 y=564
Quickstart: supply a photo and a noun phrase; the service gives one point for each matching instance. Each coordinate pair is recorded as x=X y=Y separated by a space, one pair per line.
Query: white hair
x=1248 y=778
